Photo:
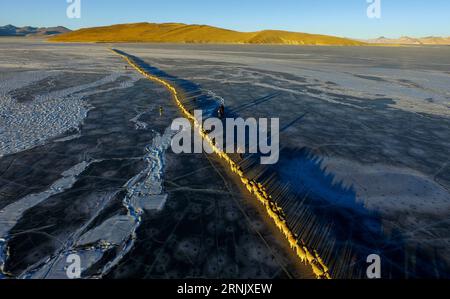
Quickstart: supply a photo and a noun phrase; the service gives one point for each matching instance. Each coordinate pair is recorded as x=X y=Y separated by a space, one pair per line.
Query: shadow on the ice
x=254 y=103
x=193 y=96
x=328 y=215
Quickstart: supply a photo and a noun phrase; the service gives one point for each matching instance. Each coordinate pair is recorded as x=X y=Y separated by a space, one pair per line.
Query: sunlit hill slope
x=182 y=33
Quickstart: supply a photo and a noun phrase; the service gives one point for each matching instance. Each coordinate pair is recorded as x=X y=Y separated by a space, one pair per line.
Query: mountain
x=405 y=40
x=10 y=30
x=182 y=33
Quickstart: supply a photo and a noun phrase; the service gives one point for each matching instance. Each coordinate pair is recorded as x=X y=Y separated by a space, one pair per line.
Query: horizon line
x=259 y=30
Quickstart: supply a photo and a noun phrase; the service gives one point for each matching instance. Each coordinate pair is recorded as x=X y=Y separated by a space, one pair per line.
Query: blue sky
x=336 y=17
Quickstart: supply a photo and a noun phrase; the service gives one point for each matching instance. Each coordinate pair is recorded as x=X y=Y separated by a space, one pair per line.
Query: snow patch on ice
x=145 y=190
x=26 y=125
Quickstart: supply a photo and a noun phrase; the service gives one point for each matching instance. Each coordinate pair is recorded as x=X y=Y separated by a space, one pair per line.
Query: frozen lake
x=365 y=144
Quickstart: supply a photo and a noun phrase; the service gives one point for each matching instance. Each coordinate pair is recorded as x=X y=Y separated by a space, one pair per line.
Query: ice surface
x=10 y=215
x=374 y=122
x=145 y=192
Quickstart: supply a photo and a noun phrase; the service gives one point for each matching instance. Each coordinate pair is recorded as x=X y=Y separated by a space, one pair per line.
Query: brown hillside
x=181 y=33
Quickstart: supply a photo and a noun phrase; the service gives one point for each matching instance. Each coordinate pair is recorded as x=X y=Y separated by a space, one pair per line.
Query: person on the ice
x=221 y=111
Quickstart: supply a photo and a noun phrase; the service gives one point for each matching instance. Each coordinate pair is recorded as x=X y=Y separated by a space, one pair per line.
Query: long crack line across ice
x=303 y=251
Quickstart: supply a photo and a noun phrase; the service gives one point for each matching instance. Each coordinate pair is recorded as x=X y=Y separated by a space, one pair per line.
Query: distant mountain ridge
x=182 y=33
x=10 y=30
x=406 y=40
